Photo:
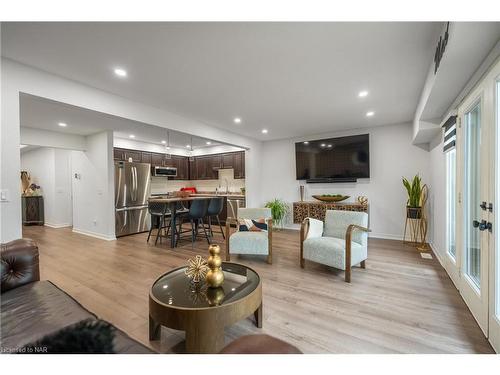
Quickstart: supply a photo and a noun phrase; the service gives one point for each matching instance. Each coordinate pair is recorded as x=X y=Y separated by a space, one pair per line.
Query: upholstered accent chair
x=340 y=242
x=250 y=242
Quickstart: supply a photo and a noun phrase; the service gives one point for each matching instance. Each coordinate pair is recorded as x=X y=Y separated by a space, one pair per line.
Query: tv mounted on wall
x=343 y=159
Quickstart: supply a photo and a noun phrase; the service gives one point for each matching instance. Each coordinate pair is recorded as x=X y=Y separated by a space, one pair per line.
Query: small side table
x=32 y=210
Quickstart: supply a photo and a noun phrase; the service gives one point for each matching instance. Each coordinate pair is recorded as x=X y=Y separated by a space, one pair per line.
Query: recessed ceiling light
x=188 y=146
x=329 y=145
x=131 y=136
x=209 y=143
x=62 y=124
x=164 y=142
x=306 y=142
x=120 y=72
x=362 y=94
x=237 y=120
x=167 y=148
x=322 y=145
x=264 y=131
x=370 y=114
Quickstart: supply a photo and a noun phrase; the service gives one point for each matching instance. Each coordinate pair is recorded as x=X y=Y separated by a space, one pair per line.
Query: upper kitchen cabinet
x=157 y=159
x=124 y=155
x=236 y=161
x=204 y=167
x=239 y=164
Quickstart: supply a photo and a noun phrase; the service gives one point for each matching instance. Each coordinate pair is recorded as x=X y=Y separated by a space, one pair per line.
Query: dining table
x=172 y=205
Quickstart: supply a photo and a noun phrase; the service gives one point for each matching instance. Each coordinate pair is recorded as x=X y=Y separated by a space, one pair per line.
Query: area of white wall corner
x=47 y=138
x=51 y=169
x=392 y=156
x=437 y=197
x=19 y=78
x=93 y=187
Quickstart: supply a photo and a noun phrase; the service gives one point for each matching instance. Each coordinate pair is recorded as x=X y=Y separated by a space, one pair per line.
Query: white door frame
x=494 y=217
x=476 y=299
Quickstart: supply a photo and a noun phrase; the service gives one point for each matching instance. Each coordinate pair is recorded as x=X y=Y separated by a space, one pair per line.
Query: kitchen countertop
x=198 y=195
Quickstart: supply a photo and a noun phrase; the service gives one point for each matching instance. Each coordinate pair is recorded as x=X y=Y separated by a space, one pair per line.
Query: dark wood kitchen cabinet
x=236 y=161
x=157 y=159
x=146 y=157
x=121 y=154
x=239 y=165
x=204 y=167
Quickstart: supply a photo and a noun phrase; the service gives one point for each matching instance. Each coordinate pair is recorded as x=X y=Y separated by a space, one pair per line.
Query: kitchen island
x=232 y=201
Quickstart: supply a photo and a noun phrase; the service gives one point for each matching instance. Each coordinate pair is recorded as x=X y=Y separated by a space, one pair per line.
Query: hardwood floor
x=401 y=303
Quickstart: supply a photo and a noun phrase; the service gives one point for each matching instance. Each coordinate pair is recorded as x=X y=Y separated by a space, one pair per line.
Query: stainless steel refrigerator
x=132 y=190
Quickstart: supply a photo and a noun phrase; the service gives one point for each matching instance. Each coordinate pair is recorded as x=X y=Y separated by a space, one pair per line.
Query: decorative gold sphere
x=215 y=296
x=215 y=278
x=214 y=250
x=214 y=262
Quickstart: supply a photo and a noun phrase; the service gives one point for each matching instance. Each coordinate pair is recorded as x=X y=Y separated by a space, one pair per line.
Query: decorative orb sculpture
x=215 y=276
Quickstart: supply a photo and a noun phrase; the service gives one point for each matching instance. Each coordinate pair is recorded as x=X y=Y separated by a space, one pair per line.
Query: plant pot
x=413 y=212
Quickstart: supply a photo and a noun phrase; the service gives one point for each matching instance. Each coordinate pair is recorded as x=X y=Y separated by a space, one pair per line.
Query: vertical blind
x=450 y=133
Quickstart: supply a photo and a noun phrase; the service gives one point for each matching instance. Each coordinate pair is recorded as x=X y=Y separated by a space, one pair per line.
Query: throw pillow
x=247 y=225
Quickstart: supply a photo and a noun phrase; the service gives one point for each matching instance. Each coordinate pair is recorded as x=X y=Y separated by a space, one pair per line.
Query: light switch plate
x=4 y=195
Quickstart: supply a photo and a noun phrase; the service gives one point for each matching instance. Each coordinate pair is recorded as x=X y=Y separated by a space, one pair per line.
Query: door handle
x=483 y=225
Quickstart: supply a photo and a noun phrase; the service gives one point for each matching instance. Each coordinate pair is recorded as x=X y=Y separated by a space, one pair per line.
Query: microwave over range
x=164 y=171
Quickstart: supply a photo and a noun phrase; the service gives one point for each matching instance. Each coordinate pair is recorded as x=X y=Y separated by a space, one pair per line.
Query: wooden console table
x=317 y=209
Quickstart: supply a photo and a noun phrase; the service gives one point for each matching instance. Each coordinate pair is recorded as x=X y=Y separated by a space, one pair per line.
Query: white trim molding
x=95 y=235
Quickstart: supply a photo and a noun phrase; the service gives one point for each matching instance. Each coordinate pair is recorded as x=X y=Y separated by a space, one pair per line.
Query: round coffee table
x=176 y=302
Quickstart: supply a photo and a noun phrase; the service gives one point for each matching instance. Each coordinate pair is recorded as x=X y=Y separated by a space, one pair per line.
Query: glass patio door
x=473 y=199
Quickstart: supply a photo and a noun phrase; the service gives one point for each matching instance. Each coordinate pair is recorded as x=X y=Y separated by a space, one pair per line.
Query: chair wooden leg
x=363 y=264
x=220 y=226
x=150 y=230
x=348 y=275
x=158 y=233
x=205 y=231
x=302 y=263
x=270 y=259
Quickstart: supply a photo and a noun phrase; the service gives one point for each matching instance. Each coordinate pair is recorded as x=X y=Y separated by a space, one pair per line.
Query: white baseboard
x=437 y=254
x=57 y=226
x=95 y=235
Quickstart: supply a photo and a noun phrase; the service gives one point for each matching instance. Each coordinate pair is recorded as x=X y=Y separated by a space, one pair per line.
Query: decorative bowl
x=331 y=198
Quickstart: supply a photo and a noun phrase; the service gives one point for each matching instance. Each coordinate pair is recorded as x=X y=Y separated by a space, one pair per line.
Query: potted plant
x=414 y=189
x=279 y=210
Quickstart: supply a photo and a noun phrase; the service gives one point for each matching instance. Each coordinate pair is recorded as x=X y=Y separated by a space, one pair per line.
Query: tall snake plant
x=414 y=190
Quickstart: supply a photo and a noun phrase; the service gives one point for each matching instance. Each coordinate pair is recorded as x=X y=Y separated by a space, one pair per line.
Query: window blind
x=450 y=133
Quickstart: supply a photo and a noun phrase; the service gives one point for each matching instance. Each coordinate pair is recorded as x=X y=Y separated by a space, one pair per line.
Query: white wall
x=93 y=190
x=63 y=215
x=392 y=156
x=18 y=78
x=51 y=169
x=437 y=197
x=47 y=138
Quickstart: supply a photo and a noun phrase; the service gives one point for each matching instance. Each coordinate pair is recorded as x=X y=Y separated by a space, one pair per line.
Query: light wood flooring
x=401 y=303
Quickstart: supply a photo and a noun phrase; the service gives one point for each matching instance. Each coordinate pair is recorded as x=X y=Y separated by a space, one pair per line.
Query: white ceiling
x=41 y=113
x=291 y=78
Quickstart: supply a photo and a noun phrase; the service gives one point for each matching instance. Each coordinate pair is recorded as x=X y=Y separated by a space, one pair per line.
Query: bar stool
x=214 y=210
x=197 y=212
x=158 y=212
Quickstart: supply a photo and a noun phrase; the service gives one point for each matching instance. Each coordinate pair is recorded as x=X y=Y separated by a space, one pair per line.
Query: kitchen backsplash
x=162 y=185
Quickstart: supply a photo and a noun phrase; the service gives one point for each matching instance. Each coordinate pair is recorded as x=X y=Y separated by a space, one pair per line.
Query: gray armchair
x=341 y=242
x=255 y=243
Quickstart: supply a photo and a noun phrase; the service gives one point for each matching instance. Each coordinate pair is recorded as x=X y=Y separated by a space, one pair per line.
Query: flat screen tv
x=343 y=159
